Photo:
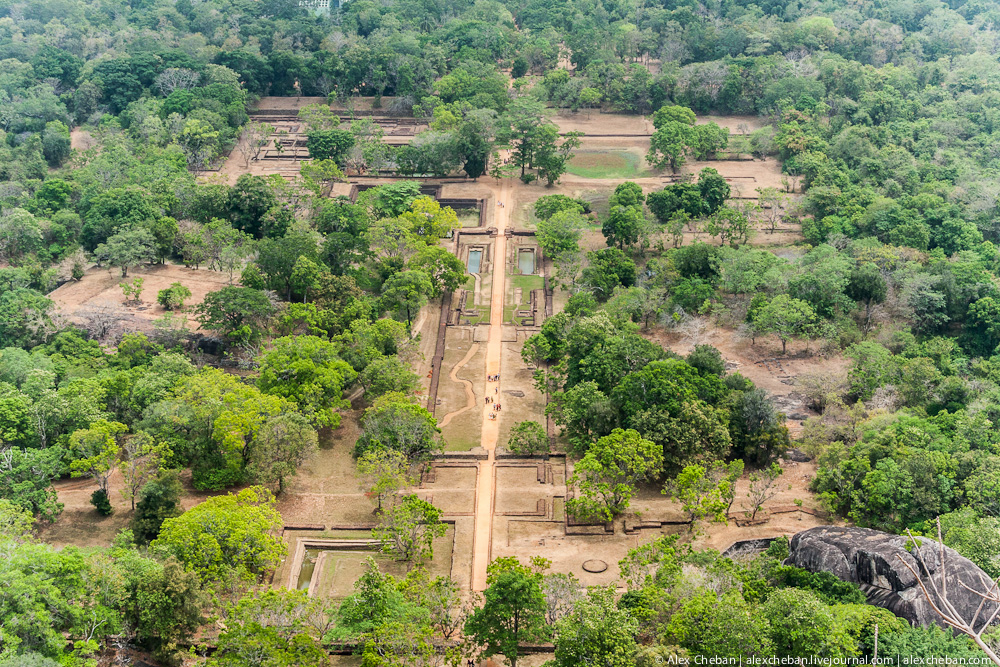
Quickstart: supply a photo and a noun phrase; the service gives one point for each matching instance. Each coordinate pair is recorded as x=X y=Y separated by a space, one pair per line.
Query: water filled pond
x=475 y=258
x=526 y=262
x=306 y=573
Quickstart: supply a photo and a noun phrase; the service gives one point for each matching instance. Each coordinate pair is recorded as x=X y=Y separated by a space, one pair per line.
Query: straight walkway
x=486 y=479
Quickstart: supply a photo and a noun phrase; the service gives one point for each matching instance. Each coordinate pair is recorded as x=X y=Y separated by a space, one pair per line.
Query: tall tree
x=282 y=444
x=230 y=534
x=408 y=529
x=607 y=474
x=596 y=632
x=513 y=611
x=309 y=371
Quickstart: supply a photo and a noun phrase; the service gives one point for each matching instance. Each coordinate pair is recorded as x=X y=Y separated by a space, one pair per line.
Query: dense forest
x=112 y=116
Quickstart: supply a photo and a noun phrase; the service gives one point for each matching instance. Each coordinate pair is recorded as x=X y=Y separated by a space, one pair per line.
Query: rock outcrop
x=875 y=561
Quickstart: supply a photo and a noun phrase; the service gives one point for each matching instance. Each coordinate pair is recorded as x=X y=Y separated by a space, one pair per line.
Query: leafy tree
x=713 y=188
x=446 y=271
x=787 y=317
x=24 y=317
x=867 y=286
x=386 y=375
x=429 y=220
x=332 y=144
x=132 y=290
x=976 y=538
x=706 y=492
x=720 y=626
x=406 y=293
x=707 y=359
x=758 y=431
x=699 y=430
x=596 y=632
x=128 y=249
x=96 y=451
x=441 y=597
x=673 y=137
x=256 y=645
x=386 y=471
x=528 y=438
x=163 y=602
x=561 y=231
x=239 y=314
x=141 y=459
x=231 y=534
x=394 y=421
x=308 y=371
x=982 y=490
x=249 y=203
x=609 y=268
x=119 y=82
x=677 y=198
x=984 y=320
x=607 y=474
x=707 y=140
x=279 y=259
x=41 y=588
x=513 y=611
x=305 y=276
x=159 y=500
x=409 y=527
x=729 y=224
x=548 y=205
x=282 y=443
x=20 y=233
x=802 y=626
x=26 y=479
x=623 y=226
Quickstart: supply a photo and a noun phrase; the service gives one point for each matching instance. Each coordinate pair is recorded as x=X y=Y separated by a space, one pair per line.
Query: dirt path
x=469 y=393
x=486 y=477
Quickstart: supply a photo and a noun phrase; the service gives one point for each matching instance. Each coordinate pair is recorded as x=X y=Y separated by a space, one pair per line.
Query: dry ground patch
x=100 y=287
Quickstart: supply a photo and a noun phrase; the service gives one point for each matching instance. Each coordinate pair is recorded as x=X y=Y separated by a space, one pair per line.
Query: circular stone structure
x=594 y=566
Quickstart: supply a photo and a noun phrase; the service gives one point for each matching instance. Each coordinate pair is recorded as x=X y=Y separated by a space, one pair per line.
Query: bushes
x=824 y=585
x=99 y=499
x=173 y=297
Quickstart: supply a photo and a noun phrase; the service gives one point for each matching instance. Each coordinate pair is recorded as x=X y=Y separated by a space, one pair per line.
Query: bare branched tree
x=101 y=319
x=937 y=597
x=177 y=78
x=256 y=136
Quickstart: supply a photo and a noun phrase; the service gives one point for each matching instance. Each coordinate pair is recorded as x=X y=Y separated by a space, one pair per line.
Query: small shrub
x=173 y=297
x=132 y=290
x=99 y=499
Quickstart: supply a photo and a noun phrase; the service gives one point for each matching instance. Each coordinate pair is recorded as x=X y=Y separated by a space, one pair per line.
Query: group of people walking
x=490 y=400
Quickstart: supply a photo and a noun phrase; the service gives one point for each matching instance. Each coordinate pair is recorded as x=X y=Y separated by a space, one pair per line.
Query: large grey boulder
x=875 y=561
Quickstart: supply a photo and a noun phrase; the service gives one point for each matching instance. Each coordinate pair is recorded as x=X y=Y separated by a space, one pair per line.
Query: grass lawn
x=607 y=164
x=526 y=283
x=460 y=444
x=467 y=217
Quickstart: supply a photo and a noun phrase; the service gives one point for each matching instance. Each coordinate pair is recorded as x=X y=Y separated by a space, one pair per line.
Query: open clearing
x=99 y=288
x=621 y=164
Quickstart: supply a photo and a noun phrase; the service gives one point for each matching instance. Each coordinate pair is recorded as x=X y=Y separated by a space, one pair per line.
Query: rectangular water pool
x=475 y=259
x=526 y=262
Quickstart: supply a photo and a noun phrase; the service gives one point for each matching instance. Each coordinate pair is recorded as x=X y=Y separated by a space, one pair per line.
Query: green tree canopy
x=226 y=535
